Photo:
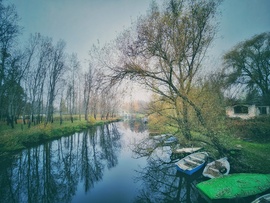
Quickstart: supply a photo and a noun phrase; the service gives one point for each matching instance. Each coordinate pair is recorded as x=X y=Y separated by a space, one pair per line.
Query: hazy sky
x=240 y=20
x=82 y=22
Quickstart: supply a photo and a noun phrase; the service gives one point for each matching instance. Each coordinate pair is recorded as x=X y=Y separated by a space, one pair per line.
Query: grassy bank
x=252 y=137
x=22 y=137
x=247 y=143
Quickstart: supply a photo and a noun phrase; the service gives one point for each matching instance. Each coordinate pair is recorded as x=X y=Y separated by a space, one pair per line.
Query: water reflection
x=137 y=126
x=52 y=172
x=117 y=159
x=162 y=182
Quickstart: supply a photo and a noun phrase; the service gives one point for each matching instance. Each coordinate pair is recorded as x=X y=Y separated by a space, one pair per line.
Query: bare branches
x=165 y=52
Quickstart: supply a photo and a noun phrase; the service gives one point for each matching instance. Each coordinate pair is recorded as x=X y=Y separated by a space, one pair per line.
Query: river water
x=117 y=162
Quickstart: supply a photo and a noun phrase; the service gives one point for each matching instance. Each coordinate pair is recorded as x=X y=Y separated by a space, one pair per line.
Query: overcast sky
x=241 y=20
x=80 y=23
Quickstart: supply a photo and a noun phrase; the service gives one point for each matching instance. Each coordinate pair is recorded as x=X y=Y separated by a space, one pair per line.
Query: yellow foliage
x=47 y=129
x=91 y=119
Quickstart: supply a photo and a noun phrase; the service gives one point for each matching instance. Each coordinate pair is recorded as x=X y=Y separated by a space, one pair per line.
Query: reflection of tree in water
x=160 y=179
x=108 y=144
x=52 y=172
x=137 y=126
x=91 y=167
x=37 y=175
x=161 y=184
x=6 y=190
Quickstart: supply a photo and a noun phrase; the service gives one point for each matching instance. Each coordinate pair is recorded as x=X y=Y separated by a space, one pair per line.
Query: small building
x=247 y=111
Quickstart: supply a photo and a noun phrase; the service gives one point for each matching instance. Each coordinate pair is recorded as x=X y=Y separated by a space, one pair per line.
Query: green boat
x=234 y=186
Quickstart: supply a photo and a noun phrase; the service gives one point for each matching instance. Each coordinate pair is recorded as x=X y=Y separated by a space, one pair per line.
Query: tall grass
x=21 y=136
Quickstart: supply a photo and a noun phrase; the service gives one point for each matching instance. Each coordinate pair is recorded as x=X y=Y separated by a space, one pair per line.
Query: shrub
x=254 y=129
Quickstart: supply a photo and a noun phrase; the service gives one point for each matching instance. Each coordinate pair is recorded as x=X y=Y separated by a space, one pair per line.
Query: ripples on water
x=111 y=163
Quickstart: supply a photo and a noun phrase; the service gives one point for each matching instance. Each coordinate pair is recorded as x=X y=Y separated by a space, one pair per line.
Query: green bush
x=253 y=129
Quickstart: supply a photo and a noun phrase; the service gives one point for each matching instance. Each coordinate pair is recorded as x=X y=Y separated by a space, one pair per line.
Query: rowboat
x=171 y=140
x=234 y=186
x=160 y=137
x=217 y=168
x=192 y=163
x=262 y=199
x=187 y=150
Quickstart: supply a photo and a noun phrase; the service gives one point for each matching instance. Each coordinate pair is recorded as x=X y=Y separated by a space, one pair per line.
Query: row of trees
x=42 y=77
x=164 y=51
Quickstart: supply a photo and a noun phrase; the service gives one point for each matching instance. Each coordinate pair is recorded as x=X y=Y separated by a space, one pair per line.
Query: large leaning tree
x=165 y=52
x=248 y=66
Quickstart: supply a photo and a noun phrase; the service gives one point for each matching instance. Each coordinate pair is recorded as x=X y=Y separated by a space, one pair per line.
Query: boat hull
x=190 y=172
x=187 y=150
x=192 y=163
x=234 y=186
x=217 y=168
x=262 y=199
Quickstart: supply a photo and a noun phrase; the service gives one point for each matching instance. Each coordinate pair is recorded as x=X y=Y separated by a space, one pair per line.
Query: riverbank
x=246 y=143
x=252 y=139
x=21 y=137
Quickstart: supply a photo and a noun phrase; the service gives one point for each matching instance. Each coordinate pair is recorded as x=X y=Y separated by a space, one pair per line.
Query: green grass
x=248 y=150
x=244 y=155
x=254 y=156
x=22 y=137
x=246 y=143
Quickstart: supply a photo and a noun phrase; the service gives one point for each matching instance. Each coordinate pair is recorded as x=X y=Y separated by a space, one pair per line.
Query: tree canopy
x=248 y=64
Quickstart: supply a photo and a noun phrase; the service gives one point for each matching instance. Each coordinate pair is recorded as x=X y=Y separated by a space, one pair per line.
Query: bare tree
x=38 y=53
x=72 y=81
x=109 y=101
x=166 y=51
x=87 y=88
x=55 y=72
x=105 y=94
x=9 y=31
x=14 y=91
x=61 y=108
x=94 y=103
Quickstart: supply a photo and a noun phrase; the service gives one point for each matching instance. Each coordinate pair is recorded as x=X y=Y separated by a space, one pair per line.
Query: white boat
x=171 y=140
x=262 y=199
x=187 y=150
x=192 y=163
x=217 y=168
x=159 y=137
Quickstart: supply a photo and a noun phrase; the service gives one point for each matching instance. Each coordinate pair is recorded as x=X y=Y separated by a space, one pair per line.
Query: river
x=110 y=163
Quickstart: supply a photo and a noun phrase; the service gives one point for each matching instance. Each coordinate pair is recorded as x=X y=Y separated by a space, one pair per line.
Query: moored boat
x=234 y=186
x=171 y=140
x=262 y=199
x=217 y=168
x=159 y=137
x=187 y=150
x=192 y=163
